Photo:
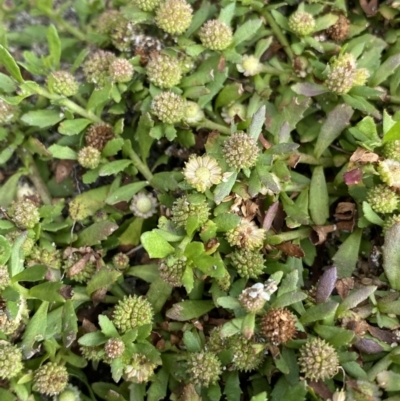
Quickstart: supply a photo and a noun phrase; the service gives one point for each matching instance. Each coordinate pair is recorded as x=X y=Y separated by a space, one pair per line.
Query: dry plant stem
x=34 y=176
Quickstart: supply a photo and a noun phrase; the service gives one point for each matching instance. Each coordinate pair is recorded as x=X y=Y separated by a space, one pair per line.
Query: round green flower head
x=28 y=244
x=301 y=23
x=249 y=66
x=215 y=35
x=94 y=354
x=9 y=325
x=164 y=71
x=4 y=277
x=71 y=393
x=246 y=235
x=10 y=360
x=98 y=135
x=24 y=213
x=114 y=348
x=121 y=261
x=124 y=34
x=50 y=379
x=341 y=74
x=78 y=269
x=171 y=269
x=168 y=107
x=144 y=205
x=106 y=21
x=174 y=16
x=47 y=257
x=216 y=343
x=139 y=369
x=389 y=222
x=249 y=264
x=121 y=70
x=189 y=206
x=247 y=355
x=318 y=360
x=204 y=368
x=202 y=172
x=146 y=5
x=224 y=282
x=391 y=150
x=193 y=113
x=8 y=113
x=89 y=157
x=63 y=83
x=96 y=68
x=389 y=171
x=240 y=150
x=382 y=199
x=360 y=77
x=132 y=312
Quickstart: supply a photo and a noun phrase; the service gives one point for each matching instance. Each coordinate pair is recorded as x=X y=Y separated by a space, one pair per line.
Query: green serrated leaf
x=5 y=250
x=107 y=327
x=42 y=118
x=155 y=245
x=102 y=279
x=73 y=127
x=189 y=309
x=62 y=152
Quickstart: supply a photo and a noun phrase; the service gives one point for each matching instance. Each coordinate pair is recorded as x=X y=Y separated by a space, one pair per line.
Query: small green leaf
x=257 y=123
x=8 y=190
x=112 y=147
x=319 y=312
x=73 y=127
x=159 y=386
x=391 y=256
x=355 y=298
x=226 y=221
x=158 y=294
x=7 y=85
x=9 y=63
x=288 y=299
x=34 y=273
x=93 y=339
x=155 y=245
x=192 y=341
x=226 y=14
x=370 y=215
x=95 y=233
x=228 y=303
x=125 y=193
x=6 y=395
x=5 y=250
x=42 y=118
x=47 y=292
x=107 y=327
x=393 y=134
x=102 y=279
x=319 y=199
x=54 y=44
x=246 y=31
x=69 y=323
x=346 y=256
x=62 y=152
x=224 y=189
x=386 y=69
x=187 y=310
x=114 y=167
x=17 y=255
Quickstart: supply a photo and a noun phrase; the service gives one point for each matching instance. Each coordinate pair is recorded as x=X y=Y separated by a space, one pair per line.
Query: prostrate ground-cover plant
x=200 y=200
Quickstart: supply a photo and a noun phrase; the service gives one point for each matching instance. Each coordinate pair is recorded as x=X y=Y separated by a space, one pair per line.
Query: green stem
x=278 y=33
x=185 y=242
x=34 y=175
x=67 y=26
x=322 y=161
x=288 y=236
x=142 y=167
x=214 y=126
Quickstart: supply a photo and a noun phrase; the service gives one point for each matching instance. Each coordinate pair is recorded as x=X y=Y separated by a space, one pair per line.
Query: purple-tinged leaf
x=326 y=285
x=309 y=89
x=368 y=346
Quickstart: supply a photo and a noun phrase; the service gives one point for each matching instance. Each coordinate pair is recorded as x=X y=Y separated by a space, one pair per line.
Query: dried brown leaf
x=362 y=155
x=369 y=7
x=291 y=249
x=344 y=285
x=345 y=211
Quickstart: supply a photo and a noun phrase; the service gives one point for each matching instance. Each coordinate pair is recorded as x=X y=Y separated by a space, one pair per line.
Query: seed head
x=252 y=299
x=382 y=199
x=204 y=368
x=224 y=282
x=216 y=343
x=247 y=355
x=193 y=113
x=144 y=205
x=278 y=326
x=89 y=157
x=249 y=264
x=171 y=269
x=301 y=23
x=78 y=268
x=4 y=277
x=246 y=235
x=121 y=70
x=147 y=47
x=24 y=213
x=360 y=77
x=114 y=348
x=146 y=5
x=240 y=150
x=132 y=312
x=168 y=107
x=215 y=35
x=48 y=257
x=174 y=16
x=10 y=360
x=341 y=75
x=186 y=207
x=71 y=393
x=121 y=261
x=139 y=370
x=63 y=83
x=50 y=379
x=8 y=113
x=318 y=360
x=124 y=34
x=389 y=171
x=249 y=66
x=94 y=354
x=391 y=150
x=106 y=21
x=96 y=68
x=339 y=31
x=98 y=135
x=164 y=71
x=28 y=244
x=202 y=172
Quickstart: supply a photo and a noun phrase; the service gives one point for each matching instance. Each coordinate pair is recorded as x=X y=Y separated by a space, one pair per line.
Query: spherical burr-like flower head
x=171 y=269
x=318 y=360
x=106 y=21
x=301 y=23
x=186 y=207
x=204 y=368
x=193 y=113
x=139 y=370
x=121 y=261
x=247 y=355
x=50 y=379
x=249 y=66
x=389 y=222
x=215 y=35
x=24 y=213
x=246 y=235
x=96 y=68
x=252 y=299
x=114 y=348
x=391 y=150
x=98 y=135
x=94 y=354
x=63 y=83
x=147 y=5
x=121 y=70
x=360 y=77
x=382 y=199
x=249 y=264
x=240 y=150
x=339 y=31
x=164 y=71
x=168 y=107
x=144 y=205
x=79 y=269
x=278 y=326
x=124 y=35
x=174 y=16
x=71 y=393
x=216 y=343
x=42 y=256
x=4 y=277
x=89 y=157
x=389 y=171
x=341 y=76
x=10 y=360
x=202 y=172
x=8 y=113
x=132 y=312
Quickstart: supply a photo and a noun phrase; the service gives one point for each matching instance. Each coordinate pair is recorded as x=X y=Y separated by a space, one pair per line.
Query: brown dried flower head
x=278 y=325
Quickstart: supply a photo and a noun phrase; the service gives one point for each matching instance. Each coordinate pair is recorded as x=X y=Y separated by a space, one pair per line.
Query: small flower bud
x=146 y=5
x=121 y=261
x=50 y=257
x=139 y=370
x=121 y=70
x=63 y=83
x=144 y=205
x=340 y=78
x=193 y=113
x=278 y=326
x=89 y=157
x=8 y=113
x=204 y=368
x=249 y=66
x=132 y=312
x=249 y=264
x=382 y=199
x=106 y=21
x=24 y=213
x=71 y=393
x=10 y=360
x=50 y=379
x=318 y=360
x=389 y=171
x=186 y=63
x=168 y=107
x=174 y=16
x=391 y=150
x=93 y=354
x=247 y=355
x=4 y=277
x=360 y=77
x=202 y=172
x=339 y=31
x=301 y=23
x=98 y=135
x=389 y=222
x=246 y=235
x=96 y=68
x=216 y=343
x=114 y=348
x=164 y=71
x=224 y=282
x=171 y=269
x=240 y=151
x=215 y=35
x=186 y=207
x=231 y=113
